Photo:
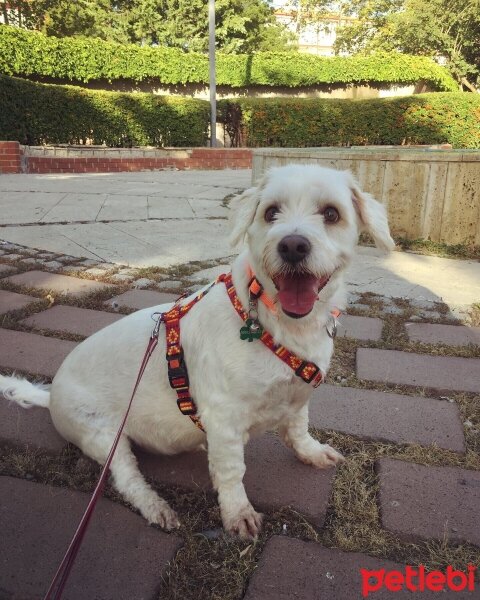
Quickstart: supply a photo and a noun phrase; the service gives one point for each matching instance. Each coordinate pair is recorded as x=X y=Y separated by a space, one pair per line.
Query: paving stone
x=292 y=569
x=121 y=556
x=393 y=309
x=429 y=314
x=439 y=372
x=53 y=264
x=141 y=299
x=12 y=301
x=74 y=269
x=95 y=271
x=210 y=274
x=119 y=278
x=143 y=282
x=32 y=353
x=30 y=427
x=169 y=285
x=82 y=321
x=6 y=270
x=61 y=284
x=453 y=335
x=360 y=328
x=30 y=261
x=419 y=502
x=12 y=257
x=387 y=417
x=274 y=477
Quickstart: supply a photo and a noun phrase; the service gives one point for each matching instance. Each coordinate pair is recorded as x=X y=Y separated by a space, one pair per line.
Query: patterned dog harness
x=309 y=372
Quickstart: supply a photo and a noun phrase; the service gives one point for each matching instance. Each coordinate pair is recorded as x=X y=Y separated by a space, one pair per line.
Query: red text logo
x=416 y=579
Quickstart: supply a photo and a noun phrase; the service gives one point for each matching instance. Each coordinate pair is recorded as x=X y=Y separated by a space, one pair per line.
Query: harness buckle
x=311 y=373
x=177 y=374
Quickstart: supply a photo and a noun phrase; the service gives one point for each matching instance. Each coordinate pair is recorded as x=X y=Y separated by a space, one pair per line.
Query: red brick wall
x=10 y=157
x=52 y=160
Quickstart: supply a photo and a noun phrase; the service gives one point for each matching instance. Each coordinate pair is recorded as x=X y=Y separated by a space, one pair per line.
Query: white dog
x=301 y=225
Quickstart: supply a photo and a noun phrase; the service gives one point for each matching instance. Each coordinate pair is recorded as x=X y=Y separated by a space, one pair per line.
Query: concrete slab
x=387 y=417
x=407 y=368
x=12 y=301
x=32 y=353
x=60 y=284
x=141 y=299
x=452 y=335
x=274 y=478
x=292 y=569
x=70 y=319
x=6 y=270
x=28 y=428
x=37 y=522
x=420 y=502
x=360 y=328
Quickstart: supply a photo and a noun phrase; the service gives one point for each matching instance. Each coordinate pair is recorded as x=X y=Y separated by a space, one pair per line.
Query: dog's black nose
x=294 y=248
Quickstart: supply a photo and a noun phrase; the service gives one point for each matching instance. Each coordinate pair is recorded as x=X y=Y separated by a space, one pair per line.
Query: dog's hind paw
x=246 y=524
x=161 y=514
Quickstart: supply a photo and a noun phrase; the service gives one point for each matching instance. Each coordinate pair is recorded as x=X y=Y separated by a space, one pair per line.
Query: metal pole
x=213 y=84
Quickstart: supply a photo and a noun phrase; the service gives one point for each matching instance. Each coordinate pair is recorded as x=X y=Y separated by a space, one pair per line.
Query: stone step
x=452 y=335
x=32 y=353
x=360 y=328
x=58 y=284
x=407 y=368
x=424 y=502
x=393 y=418
x=274 y=478
x=12 y=301
x=70 y=319
x=121 y=556
x=294 y=569
x=139 y=299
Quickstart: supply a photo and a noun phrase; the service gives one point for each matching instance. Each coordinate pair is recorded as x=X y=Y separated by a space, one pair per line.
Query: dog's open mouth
x=298 y=292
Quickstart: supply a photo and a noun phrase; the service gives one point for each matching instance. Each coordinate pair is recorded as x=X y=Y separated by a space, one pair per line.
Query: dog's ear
x=373 y=216
x=242 y=213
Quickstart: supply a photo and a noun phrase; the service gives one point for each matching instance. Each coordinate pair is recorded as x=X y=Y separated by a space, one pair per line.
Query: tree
x=242 y=25
x=441 y=29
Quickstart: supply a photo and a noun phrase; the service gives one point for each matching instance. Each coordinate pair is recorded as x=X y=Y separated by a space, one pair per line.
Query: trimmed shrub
x=421 y=119
x=28 y=53
x=35 y=113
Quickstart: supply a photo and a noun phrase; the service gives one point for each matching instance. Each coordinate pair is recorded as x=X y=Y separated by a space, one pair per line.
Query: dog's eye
x=271 y=213
x=331 y=215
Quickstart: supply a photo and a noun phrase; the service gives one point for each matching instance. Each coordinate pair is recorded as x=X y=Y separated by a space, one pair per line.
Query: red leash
x=59 y=581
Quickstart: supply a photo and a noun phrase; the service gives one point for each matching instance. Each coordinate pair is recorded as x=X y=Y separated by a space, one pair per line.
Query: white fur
x=240 y=388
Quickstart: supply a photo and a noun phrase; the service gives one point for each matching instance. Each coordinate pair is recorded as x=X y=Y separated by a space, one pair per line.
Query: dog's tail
x=24 y=393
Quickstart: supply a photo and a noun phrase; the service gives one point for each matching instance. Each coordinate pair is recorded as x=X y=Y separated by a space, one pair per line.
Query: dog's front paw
x=323 y=457
x=160 y=513
x=247 y=523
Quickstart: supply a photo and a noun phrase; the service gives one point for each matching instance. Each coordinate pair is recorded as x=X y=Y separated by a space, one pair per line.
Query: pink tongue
x=297 y=294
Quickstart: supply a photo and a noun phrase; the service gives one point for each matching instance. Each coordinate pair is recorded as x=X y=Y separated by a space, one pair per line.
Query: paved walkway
x=168 y=218
x=401 y=402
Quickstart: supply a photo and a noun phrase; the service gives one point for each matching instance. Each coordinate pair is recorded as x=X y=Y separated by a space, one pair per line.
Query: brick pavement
x=416 y=502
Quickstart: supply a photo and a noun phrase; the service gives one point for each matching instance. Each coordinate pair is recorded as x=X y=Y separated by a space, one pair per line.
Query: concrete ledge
x=429 y=192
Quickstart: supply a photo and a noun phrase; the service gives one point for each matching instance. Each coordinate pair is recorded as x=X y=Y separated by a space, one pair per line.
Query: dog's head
x=302 y=224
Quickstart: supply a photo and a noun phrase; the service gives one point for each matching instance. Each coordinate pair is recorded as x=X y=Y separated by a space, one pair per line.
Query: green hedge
x=27 y=53
x=419 y=119
x=35 y=113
